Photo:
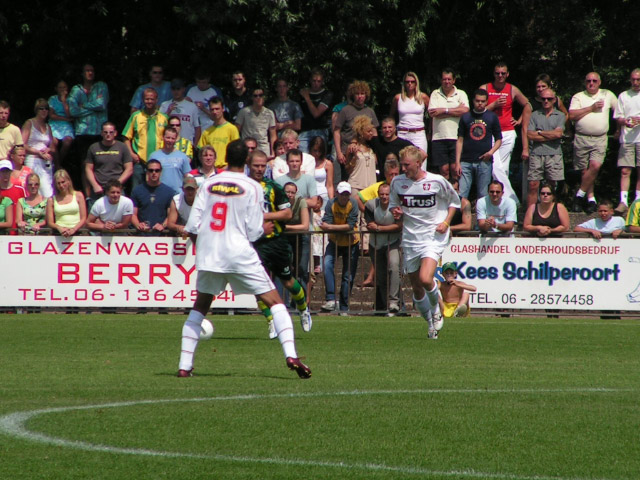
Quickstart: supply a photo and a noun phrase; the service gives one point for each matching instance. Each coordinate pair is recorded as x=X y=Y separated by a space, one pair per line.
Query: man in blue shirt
x=151 y=202
x=175 y=164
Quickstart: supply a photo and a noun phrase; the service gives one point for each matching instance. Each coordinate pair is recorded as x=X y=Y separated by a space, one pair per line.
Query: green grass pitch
x=96 y=397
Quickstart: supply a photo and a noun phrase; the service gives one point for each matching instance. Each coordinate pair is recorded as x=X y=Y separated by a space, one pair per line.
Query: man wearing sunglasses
x=590 y=112
x=259 y=122
x=545 y=132
x=501 y=98
x=151 y=201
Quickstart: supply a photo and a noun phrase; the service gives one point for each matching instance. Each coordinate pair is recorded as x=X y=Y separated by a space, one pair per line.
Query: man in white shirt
x=590 y=111
x=627 y=115
x=111 y=212
x=225 y=218
x=290 y=142
x=185 y=110
x=496 y=213
x=426 y=203
x=200 y=94
x=446 y=105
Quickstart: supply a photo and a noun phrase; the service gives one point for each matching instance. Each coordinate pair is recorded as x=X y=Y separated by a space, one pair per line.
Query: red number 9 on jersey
x=219 y=215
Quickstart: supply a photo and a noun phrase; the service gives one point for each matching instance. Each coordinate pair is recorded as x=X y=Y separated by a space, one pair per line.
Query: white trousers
x=501 y=161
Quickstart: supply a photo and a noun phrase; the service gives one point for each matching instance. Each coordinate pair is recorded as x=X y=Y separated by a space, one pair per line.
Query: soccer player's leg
x=206 y=287
x=281 y=267
x=428 y=267
x=257 y=282
x=284 y=329
x=420 y=298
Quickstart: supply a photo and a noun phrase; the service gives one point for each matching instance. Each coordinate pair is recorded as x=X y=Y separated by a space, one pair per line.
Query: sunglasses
x=43 y=108
x=590 y=80
x=496 y=192
x=154 y=170
x=174 y=125
x=545 y=194
x=258 y=95
x=500 y=74
x=548 y=99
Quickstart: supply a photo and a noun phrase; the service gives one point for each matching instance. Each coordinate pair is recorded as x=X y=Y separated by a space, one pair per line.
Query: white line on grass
x=14 y=425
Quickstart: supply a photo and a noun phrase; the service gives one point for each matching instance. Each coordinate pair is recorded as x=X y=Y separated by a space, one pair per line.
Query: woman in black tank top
x=547 y=217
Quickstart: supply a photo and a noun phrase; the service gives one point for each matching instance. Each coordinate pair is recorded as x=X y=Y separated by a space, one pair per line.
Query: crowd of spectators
x=66 y=168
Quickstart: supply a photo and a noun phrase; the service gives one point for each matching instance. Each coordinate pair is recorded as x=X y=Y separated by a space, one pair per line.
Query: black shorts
x=275 y=255
x=443 y=152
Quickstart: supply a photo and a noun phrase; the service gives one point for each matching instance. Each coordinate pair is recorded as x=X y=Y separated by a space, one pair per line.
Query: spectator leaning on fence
x=113 y=211
x=604 y=224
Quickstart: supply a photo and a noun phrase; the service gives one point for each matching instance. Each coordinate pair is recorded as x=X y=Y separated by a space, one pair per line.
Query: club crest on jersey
x=419 y=201
x=226 y=189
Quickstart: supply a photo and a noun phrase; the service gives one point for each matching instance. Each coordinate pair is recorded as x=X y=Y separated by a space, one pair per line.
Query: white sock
x=190 y=336
x=580 y=193
x=592 y=198
x=624 y=197
x=433 y=299
x=424 y=307
x=284 y=328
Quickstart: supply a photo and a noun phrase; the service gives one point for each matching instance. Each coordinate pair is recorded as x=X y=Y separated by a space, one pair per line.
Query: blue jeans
x=481 y=171
x=138 y=176
x=349 y=267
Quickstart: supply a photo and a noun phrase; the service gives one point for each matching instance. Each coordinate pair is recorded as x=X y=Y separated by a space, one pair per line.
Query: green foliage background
x=376 y=40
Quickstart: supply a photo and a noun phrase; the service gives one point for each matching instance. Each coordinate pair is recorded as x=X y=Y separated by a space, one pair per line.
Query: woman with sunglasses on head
x=547 y=217
x=31 y=210
x=409 y=106
x=40 y=145
x=66 y=210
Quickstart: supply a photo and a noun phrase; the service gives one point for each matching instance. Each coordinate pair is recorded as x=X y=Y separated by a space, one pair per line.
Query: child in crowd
x=607 y=224
x=318 y=242
x=454 y=294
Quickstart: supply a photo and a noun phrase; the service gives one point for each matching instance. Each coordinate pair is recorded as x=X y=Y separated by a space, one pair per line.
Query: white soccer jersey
x=425 y=204
x=227 y=216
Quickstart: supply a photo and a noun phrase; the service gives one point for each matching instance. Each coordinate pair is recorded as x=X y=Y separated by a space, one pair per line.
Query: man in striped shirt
x=143 y=134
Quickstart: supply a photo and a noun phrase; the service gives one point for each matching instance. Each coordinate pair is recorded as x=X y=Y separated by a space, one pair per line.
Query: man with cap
x=185 y=110
x=181 y=204
x=454 y=293
x=340 y=216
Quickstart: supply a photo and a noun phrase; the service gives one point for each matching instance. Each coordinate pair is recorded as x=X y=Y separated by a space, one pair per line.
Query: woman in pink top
x=410 y=106
x=20 y=171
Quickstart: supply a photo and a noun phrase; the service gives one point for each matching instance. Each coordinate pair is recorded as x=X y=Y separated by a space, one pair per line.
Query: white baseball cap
x=6 y=164
x=344 y=187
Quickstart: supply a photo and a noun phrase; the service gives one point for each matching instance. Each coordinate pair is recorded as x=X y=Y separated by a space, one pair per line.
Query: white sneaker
x=433 y=334
x=329 y=306
x=305 y=320
x=460 y=311
x=438 y=320
x=272 y=330
x=394 y=308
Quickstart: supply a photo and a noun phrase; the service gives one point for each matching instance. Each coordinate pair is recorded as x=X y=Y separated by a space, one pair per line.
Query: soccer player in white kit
x=426 y=203
x=225 y=218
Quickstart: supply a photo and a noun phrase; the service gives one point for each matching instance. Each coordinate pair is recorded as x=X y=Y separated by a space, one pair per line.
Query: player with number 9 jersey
x=227 y=216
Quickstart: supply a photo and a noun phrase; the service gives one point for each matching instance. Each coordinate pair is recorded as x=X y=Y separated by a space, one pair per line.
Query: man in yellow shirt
x=220 y=134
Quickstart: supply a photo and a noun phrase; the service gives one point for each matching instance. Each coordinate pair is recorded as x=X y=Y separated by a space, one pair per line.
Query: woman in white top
x=410 y=106
x=40 y=145
x=324 y=168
